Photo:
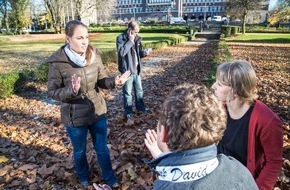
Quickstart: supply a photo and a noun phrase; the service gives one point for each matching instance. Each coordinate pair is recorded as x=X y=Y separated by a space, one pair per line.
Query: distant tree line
x=280 y=14
x=16 y=15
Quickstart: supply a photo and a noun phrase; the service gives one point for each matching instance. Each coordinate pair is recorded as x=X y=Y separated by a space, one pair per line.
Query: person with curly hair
x=191 y=122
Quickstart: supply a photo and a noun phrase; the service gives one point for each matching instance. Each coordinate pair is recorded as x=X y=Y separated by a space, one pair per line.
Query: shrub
x=7 y=84
x=234 y=30
x=222 y=54
x=109 y=56
x=24 y=75
x=41 y=72
x=181 y=29
x=164 y=43
x=226 y=30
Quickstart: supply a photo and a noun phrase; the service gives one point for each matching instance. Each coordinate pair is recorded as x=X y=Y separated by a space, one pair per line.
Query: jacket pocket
x=66 y=112
x=82 y=109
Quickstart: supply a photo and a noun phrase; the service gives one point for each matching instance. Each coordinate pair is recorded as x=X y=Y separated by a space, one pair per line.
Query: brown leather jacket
x=88 y=105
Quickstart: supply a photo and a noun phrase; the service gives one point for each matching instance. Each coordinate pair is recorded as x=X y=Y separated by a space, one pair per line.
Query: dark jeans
x=78 y=137
x=134 y=82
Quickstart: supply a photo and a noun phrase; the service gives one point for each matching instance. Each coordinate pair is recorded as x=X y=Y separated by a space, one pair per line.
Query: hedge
x=181 y=29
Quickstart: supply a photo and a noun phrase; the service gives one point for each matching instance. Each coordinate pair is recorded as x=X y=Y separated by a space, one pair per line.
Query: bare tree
x=240 y=8
x=37 y=12
x=79 y=8
x=4 y=9
x=101 y=9
x=104 y=9
x=55 y=8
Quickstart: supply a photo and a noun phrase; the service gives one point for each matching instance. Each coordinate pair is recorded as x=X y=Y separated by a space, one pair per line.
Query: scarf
x=74 y=57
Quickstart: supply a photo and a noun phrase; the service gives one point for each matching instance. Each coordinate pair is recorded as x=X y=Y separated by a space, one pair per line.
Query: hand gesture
x=120 y=80
x=76 y=83
x=151 y=143
x=131 y=35
x=147 y=51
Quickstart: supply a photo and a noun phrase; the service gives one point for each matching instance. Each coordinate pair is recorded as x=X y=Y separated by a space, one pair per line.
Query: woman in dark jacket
x=76 y=73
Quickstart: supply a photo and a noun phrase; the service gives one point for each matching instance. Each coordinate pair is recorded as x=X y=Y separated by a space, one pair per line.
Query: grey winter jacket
x=229 y=174
x=124 y=48
x=88 y=105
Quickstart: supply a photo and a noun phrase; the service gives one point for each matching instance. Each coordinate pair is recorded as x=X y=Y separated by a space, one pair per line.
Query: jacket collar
x=188 y=157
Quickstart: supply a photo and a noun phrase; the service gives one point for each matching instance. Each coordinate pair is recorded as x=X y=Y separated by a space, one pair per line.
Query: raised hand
x=151 y=143
x=76 y=83
x=120 y=80
x=131 y=35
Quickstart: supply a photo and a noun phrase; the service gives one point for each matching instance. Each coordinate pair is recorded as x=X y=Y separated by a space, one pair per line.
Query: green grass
x=28 y=51
x=260 y=38
x=103 y=41
x=108 y=40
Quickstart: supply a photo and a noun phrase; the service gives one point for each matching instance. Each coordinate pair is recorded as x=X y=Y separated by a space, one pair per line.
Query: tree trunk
x=6 y=23
x=244 y=23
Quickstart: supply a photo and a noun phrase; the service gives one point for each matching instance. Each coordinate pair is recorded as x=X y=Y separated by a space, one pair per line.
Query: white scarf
x=75 y=57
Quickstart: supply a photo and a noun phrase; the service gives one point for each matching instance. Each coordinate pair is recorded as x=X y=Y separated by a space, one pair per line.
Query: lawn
x=22 y=51
x=51 y=42
x=108 y=40
x=260 y=38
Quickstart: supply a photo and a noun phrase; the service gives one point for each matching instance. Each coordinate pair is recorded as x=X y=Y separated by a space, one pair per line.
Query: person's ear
x=163 y=134
x=67 y=39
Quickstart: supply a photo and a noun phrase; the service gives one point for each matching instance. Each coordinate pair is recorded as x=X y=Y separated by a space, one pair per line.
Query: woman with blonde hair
x=254 y=133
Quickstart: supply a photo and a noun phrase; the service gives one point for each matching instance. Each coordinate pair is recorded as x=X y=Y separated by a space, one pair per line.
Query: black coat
x=124 y=48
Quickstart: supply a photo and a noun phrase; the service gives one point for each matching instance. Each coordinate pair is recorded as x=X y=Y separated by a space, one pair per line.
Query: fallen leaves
x=36 y=151
x=3 y=159
x=271 y=63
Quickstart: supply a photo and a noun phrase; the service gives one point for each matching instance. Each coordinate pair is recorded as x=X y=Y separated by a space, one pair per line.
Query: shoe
x=145 y=111
x=85 y=183
x=115 y=186
x=129 y=120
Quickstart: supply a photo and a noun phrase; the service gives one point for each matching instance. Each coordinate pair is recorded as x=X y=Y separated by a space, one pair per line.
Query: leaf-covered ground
x=35 y=152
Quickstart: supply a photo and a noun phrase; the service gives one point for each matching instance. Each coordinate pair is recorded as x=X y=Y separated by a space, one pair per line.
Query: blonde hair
x=241 y=77
x=193 y=118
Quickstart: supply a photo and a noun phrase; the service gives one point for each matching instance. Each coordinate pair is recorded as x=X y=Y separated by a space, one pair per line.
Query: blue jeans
x=78 y=137
x=133 y=82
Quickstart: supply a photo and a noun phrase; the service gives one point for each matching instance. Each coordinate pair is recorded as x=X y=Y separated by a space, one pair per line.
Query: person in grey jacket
x=76 y=73
x=130 y=52
x=191 y=123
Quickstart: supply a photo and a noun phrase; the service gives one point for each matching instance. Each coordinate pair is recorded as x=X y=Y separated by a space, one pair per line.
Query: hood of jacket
x=58 y=57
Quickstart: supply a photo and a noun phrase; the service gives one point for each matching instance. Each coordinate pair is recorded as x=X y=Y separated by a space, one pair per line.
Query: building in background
x=164 y=9
x=259 y=16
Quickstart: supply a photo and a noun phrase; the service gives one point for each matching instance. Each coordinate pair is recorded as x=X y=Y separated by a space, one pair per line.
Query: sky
x=272 y=4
